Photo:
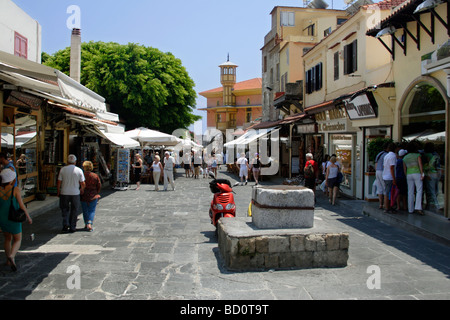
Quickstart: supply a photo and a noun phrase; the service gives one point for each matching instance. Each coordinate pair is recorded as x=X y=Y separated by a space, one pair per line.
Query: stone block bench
x=247 y=248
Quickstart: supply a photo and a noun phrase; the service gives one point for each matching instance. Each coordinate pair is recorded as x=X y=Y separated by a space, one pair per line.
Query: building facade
x=349 y=89
x=20 y=34
x=235 y=105
x=416 y=37
x=294 y=31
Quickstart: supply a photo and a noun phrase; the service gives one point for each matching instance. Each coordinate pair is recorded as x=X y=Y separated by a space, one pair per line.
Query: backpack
x=309 y=171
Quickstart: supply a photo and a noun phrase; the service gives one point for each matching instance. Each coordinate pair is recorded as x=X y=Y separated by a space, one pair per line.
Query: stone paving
x=161 y=246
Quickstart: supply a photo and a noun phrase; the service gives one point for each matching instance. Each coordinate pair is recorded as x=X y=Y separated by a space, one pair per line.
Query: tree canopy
x=146 y=87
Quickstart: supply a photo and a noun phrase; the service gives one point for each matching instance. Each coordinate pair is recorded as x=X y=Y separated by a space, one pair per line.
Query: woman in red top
x=311 y=173
x=90 y=197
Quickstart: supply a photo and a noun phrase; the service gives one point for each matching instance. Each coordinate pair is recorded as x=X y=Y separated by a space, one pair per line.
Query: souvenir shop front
x=340 y=138
x=20 y=132
x=370 y=110
x=424 y=118
x=75 y=131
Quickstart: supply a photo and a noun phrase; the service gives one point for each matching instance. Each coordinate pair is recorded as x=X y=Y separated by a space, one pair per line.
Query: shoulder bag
x=16 y=215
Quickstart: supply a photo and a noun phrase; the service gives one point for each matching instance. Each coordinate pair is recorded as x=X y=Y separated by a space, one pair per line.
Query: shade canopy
x=148 y=137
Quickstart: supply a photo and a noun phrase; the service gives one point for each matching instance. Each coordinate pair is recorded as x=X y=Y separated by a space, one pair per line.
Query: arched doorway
x=423 y=118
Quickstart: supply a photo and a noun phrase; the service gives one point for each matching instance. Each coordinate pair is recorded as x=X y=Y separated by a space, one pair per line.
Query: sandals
x=12 y=265
x=420 y=212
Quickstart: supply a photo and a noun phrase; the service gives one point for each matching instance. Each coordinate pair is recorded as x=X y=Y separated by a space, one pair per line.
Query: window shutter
x=20 y=46
x=318 y=77
x=336 y=65
x=355 y=56
x=346 y=60
x=308 y=81
x=313 y=79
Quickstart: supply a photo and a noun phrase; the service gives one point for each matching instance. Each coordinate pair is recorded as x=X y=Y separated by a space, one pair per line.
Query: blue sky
x=199 y=32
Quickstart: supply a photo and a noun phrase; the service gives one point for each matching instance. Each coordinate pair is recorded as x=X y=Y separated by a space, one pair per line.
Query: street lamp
x=426 y=5
x=385 y=31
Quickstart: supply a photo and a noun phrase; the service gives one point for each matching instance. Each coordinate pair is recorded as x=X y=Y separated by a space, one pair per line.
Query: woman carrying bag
x=10 y=195
x=91 y=195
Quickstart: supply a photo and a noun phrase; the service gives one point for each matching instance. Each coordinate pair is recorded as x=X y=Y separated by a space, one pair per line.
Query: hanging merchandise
x=122 y=169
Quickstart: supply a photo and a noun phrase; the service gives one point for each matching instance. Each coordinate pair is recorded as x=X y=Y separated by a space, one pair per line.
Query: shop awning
x=96 y=123
x=251 y=136
x=148 y=137
x=51 y=84
x=325 y=106
x=80 y=95
x=120 y=140
x=114 y=134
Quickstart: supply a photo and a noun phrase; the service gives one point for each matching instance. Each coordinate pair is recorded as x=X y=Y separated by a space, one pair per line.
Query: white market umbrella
x=191 y=143
x=147 y=137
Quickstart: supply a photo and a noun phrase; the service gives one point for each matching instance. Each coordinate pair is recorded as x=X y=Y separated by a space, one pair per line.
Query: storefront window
x=423 y=120
x=19 y=136
x=26 y=154
x=342 y=147
x=370 y=135
x=423 y=112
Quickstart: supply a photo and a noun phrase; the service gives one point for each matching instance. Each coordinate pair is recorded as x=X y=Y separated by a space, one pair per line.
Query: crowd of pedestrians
x=404 y=174
x=407 y=176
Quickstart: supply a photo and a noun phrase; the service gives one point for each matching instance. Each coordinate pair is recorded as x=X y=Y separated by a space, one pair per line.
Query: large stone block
x=246 y=248
x=283 y=207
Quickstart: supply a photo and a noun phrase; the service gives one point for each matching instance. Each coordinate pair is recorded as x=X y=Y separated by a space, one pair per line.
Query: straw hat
x=7 y=175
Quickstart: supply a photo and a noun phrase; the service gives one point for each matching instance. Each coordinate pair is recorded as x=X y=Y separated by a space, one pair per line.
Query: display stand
x=122 y=169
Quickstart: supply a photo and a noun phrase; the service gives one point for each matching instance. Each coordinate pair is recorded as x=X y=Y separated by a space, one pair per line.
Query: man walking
x=169 y=165
x=242 y=164
x=71 y=184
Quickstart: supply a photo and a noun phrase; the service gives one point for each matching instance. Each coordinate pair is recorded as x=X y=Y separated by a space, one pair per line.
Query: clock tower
x=228 y=80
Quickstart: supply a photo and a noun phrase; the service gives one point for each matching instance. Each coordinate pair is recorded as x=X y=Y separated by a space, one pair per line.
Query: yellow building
x=349 y=88
x=234 y=105
x=416 y=36
x=294 y=31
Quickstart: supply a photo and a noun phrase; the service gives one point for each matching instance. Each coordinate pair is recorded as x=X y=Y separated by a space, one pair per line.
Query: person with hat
x=6 y=163
x=12 y=231
x=71 y=184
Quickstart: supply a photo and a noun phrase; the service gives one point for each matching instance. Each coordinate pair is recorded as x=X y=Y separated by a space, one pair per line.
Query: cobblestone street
x=161 y=245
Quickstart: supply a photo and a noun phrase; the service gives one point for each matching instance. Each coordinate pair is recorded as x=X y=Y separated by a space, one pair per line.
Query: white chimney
x=75 y=55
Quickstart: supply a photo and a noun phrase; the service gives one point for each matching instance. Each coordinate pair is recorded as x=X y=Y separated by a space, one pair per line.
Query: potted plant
x=376 y=146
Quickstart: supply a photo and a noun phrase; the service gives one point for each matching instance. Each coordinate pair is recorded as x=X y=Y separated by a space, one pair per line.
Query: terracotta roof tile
x=386 y=4
x=255 y=83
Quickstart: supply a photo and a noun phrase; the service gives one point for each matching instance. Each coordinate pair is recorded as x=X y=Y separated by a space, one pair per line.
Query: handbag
x=340 y=178
x=16 y=215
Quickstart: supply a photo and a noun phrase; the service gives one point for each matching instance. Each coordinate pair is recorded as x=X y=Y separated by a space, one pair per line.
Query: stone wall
x=301 y=251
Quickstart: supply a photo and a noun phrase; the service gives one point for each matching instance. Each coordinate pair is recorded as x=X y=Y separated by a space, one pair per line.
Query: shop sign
x=361 y=107
x=334 y=120
x=333 y=126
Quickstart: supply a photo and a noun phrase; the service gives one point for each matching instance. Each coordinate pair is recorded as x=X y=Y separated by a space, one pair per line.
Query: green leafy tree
x=146 y=87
